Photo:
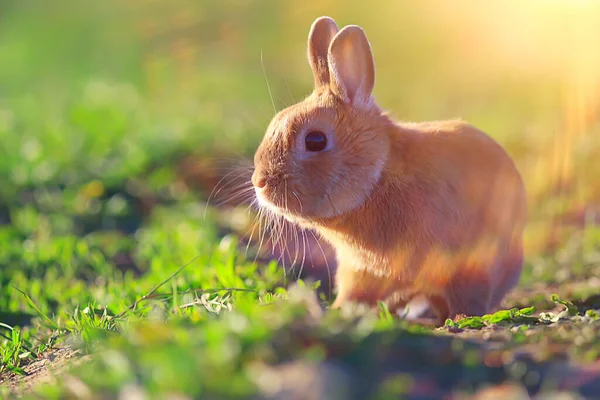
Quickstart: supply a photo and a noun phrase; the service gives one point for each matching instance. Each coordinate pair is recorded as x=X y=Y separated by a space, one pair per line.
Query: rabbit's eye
x=315 y=141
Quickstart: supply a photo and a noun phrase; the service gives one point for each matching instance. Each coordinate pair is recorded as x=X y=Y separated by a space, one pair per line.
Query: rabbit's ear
x=351 y=66
x=321 y=33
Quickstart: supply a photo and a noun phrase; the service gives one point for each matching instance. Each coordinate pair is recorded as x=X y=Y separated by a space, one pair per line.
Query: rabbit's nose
x=258 y=180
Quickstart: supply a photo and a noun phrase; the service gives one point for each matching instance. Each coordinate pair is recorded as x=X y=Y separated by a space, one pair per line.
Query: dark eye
x=315 y=141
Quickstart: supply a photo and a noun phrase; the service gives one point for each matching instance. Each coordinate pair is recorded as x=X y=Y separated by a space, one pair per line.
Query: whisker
x=299 y=202
x=295 y=229
x=326 y=262
x=296 y=244
x=261 y=231
x=240 y=163
x=279 y=243
x=234 y=185
x=245 y=195
x=287 y=227
x=267 y=81
x=288 y=88
x=253 y=224
x=303 y=231
x=285 y=248
x=279 y=234
x=230 y=184
x=212 y=193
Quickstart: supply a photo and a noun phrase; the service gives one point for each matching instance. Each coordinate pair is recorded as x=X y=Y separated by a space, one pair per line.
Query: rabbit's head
x=322 y=157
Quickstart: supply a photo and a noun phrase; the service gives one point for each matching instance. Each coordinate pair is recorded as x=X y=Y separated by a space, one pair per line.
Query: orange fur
x=433 y=209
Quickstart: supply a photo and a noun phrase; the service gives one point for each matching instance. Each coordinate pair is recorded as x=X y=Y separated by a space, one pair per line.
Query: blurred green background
x=118 y=118
x=113 y=112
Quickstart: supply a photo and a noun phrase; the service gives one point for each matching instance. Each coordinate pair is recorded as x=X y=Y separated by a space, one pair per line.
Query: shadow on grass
x=427 y=367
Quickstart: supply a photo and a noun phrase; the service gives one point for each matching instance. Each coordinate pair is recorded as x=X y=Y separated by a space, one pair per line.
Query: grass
x=114 y=120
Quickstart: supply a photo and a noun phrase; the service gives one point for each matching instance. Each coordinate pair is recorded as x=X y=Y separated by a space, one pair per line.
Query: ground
x=290 y=343
x=44 y=370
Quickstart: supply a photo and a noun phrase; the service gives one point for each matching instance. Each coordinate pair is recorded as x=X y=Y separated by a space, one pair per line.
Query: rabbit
x=427 y=214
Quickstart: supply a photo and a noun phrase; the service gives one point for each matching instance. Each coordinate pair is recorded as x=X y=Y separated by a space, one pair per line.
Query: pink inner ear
x=351 y=71
x=351 y=64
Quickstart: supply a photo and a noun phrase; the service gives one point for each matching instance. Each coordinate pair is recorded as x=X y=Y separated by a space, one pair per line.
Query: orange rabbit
x=429 y=215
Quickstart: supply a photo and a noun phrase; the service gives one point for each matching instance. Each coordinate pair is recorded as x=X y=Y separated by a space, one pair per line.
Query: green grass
x=107 y=246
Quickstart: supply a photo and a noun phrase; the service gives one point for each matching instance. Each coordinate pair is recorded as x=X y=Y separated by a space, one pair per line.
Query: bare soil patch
x=44 y=370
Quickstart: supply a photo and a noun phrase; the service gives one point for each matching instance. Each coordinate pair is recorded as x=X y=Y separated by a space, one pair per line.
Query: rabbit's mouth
x=285 y=203
x=277 y=203
x=293 y=209
x=265 y=200
x=290 y=199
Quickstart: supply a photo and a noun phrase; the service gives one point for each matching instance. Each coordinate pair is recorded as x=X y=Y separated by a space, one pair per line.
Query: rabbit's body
x=444 y=220
x=430 y=211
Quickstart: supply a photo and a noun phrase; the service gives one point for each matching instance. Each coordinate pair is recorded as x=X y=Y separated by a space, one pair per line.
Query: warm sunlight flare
x=543 y=40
